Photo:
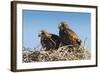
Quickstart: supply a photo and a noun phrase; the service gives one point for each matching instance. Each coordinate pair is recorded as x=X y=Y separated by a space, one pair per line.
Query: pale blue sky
x=35 y=21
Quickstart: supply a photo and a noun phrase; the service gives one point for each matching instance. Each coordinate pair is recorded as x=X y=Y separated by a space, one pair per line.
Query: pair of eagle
x=66 y=37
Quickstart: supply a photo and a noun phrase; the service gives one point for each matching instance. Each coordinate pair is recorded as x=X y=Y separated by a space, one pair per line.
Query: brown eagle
x=68 y=36
x=49 y=41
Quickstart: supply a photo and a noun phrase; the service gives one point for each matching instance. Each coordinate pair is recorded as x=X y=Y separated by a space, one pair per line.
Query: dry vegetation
x=64 y=53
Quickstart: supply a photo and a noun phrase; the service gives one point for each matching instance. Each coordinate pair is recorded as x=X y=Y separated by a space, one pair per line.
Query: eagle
x=68 y=36
x=49 y=41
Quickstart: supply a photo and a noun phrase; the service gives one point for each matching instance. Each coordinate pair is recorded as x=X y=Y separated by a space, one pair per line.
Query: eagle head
x=43 y=34
x=63 y=26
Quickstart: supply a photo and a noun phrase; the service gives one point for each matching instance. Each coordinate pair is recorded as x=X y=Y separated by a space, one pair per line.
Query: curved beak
x=39 y=34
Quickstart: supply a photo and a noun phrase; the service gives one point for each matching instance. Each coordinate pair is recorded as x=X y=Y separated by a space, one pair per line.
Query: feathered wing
x=47 y=43
x=43 y=44
x=73 y=36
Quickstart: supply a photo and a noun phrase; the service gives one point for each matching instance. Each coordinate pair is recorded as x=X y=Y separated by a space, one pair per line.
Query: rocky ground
x=64 y=53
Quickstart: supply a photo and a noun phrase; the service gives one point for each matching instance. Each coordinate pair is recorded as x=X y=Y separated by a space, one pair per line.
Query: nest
x=64 y=53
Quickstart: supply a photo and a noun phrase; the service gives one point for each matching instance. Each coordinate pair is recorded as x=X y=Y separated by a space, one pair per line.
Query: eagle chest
x=47 y=43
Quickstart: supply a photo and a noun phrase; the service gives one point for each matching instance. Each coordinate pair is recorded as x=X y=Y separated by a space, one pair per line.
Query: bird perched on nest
x=68 y=36
x=49 y=41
